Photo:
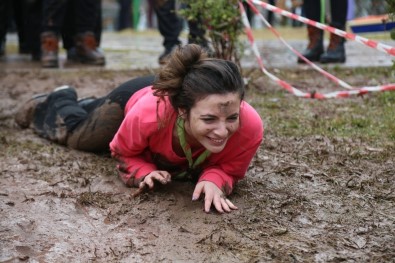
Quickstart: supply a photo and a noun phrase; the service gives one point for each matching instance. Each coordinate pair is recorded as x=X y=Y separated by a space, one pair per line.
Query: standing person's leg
x=124 y=14
x=99 y=26
x=4 y=10
x=270 y=14
x=32 y=23
x=150 y=13
x=53 y=12
x=197 y=33
x=315 y=46
x=87 y=13
x=170 y=26
x=336 y=51
x=19 y=7
x=69 y=27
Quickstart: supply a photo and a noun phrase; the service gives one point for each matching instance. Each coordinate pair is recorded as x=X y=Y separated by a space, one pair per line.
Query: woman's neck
x=193 y=143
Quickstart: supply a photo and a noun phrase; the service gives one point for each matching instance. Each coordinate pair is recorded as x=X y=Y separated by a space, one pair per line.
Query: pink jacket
x=143 y=143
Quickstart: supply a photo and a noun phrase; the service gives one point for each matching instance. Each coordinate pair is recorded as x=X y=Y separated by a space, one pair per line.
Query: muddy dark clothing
x=85 y=13
x=81 y=124
x=71 y=17
x=13 y=17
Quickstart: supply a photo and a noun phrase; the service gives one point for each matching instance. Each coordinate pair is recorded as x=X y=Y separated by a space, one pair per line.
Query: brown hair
x=189 y=76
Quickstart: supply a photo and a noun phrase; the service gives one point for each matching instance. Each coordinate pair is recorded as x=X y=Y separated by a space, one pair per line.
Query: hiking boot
x=24 y=116
x=315 y=47
x=336 y=52
x=49 y=50
x=58 y=114
x=86 y=50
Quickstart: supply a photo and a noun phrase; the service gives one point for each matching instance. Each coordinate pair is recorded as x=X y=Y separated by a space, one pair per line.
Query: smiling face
x=212 y=121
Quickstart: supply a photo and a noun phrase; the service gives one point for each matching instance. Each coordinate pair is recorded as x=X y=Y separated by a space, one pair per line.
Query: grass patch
x=370 y=117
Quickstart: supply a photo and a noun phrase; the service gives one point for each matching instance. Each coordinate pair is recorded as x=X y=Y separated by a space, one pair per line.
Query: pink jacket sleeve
x=128 y=148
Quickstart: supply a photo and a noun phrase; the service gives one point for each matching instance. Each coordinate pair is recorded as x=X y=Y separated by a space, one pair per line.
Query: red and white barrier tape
x=295 y=91
x=323 y=72
x=367 y=42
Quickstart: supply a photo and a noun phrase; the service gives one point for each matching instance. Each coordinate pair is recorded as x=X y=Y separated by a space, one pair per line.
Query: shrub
x=222 y=21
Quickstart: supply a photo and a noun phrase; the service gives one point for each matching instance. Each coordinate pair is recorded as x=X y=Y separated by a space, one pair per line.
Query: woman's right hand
x=149 y=181
x=160 y=176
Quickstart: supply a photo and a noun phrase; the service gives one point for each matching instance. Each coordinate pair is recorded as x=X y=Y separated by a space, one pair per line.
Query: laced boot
x=86 y=50
x=49 y=50
x=336 y=52
x=315 y=47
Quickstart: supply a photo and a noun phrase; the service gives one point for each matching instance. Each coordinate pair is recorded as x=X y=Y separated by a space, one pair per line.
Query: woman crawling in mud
x=189 y=122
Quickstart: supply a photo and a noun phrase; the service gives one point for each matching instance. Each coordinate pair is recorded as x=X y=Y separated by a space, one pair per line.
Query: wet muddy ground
x=306 y=197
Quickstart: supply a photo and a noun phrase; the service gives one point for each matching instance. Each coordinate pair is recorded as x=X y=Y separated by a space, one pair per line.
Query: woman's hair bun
x=181 y=61
x=186 y=57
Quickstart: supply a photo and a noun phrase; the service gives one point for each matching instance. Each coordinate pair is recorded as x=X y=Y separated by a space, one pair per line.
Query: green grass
x=370 y=117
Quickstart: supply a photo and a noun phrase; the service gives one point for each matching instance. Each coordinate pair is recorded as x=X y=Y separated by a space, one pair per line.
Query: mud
x=305 y=199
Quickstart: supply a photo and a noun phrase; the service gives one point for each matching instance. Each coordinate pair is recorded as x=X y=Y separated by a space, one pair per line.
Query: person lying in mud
x=189 y=122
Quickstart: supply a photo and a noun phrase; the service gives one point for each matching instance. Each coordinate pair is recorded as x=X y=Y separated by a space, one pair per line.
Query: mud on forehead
x=225 y=107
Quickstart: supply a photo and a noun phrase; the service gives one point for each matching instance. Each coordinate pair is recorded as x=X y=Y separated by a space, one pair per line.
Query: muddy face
x=213 y=120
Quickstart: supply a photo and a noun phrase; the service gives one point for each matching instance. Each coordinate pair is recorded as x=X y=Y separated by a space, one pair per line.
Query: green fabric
x=323 y=5
x=136 y=13
x=187 y=149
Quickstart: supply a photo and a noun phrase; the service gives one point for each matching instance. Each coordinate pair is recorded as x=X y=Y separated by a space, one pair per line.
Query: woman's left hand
x=213 y=196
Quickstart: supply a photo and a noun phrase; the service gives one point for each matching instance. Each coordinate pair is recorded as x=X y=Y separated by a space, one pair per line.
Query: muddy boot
x=315 y=47
x=24 y=116
x=58 y=115
x=336 y=52
x=86 y=50
x=49 y=50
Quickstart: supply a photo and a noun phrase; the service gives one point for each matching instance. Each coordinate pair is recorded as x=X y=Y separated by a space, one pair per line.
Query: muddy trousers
x=90 y=126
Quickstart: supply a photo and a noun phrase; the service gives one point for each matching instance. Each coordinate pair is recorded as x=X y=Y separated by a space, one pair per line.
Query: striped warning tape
x=367 y=42
x=289 y=87
x=275 y=32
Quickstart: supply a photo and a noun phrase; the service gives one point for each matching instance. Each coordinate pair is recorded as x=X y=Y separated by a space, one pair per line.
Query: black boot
x=315 y=47
x=58 y=115
x=336 y=52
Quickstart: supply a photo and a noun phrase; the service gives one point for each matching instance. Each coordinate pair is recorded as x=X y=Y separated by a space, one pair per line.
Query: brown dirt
x=310 y=199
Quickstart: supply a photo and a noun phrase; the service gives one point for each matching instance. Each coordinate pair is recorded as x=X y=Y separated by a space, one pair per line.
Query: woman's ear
x=182 y=113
